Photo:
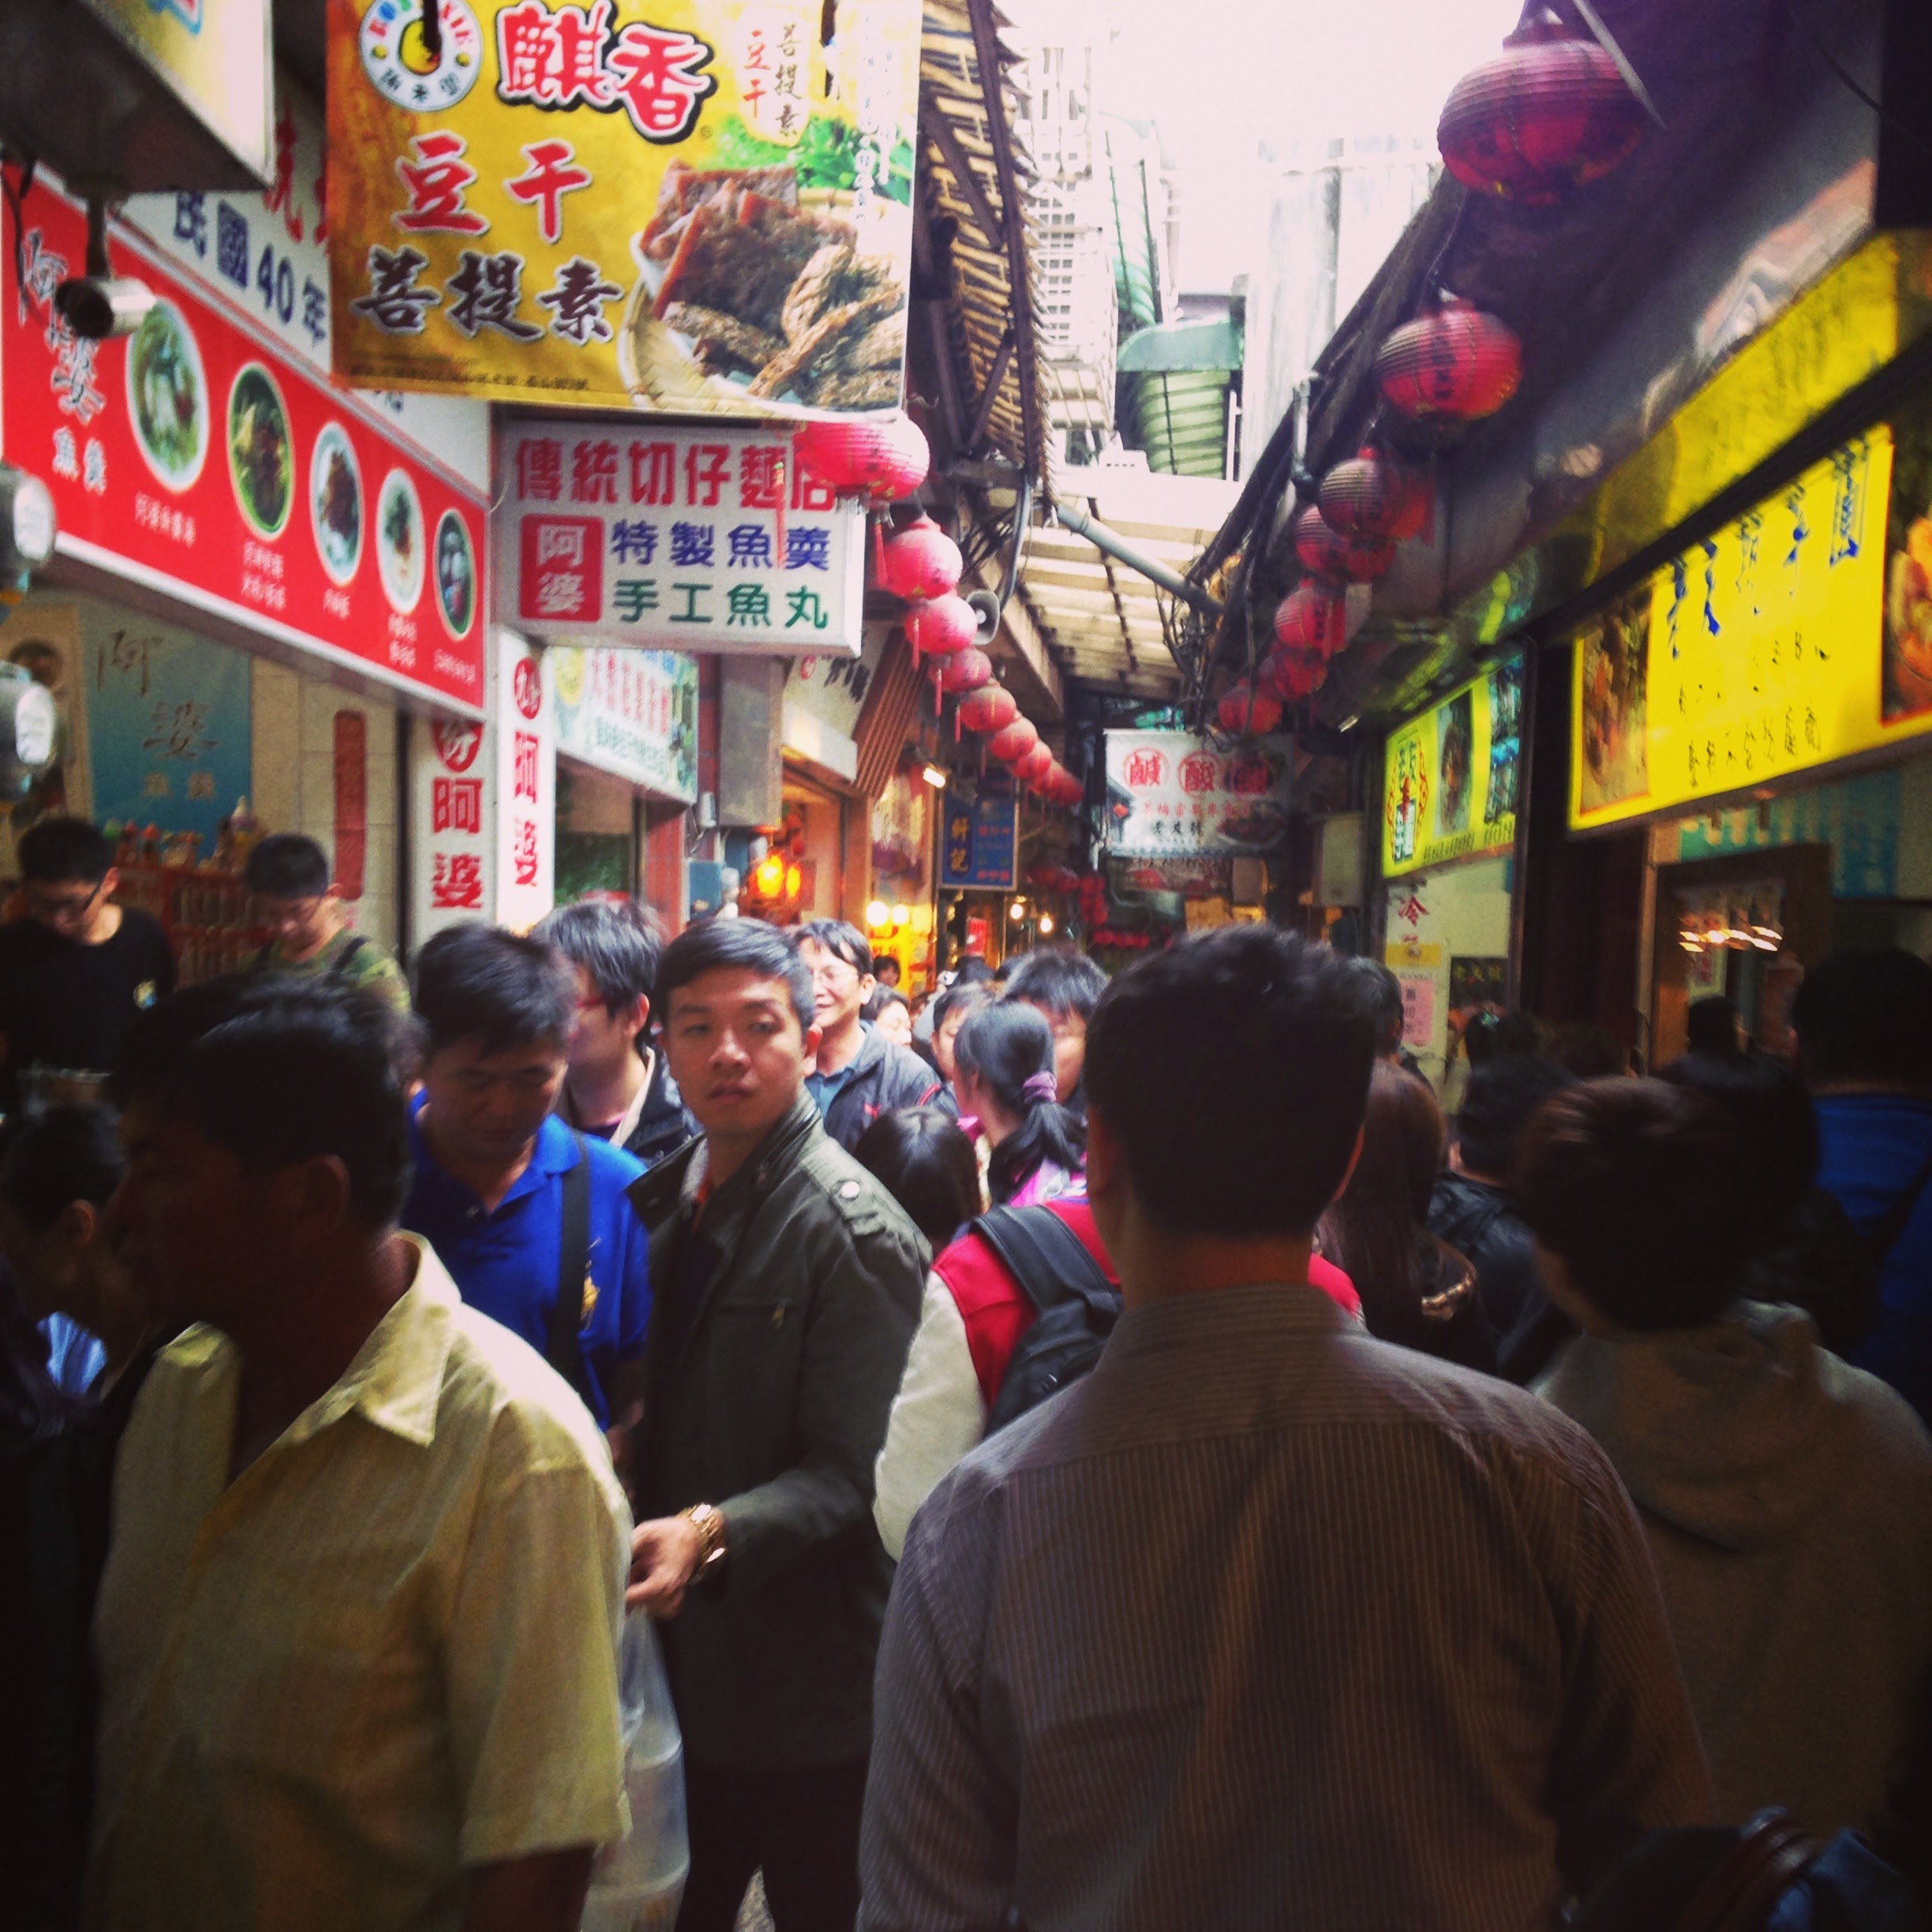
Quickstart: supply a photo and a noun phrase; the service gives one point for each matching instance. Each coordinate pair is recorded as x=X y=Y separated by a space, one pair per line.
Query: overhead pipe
x=1103 y=539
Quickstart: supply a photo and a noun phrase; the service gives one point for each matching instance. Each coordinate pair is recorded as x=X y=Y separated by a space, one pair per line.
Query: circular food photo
x=261 y=451
x=336 y=502
x=455 y=573
x=168 y=396
x=399 y=544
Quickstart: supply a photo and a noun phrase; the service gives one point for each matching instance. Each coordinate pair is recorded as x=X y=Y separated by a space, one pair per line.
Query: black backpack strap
x=565 y=1353
x=1046 y=1257
x=356 y=942
x=1883 y=1235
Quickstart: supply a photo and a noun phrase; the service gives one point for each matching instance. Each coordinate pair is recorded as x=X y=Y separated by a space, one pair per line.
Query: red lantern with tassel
x=1248 y=713
x=1034 y=767
x=990 y=709
x=884 y=458
x=1310 y=618
x=941 y=628
x=1294 y=672
x=1013 y=742
x=921 y=562
x=965 y=671
x=1331 y=554
x=1456 y=366
x=1551 y=113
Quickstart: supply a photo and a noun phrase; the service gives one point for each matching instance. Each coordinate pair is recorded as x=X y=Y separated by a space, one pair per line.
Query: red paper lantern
x=1034 y=767
x=921 y=561
x=1549 y=113
x=965 y=671
x=1293 y=672
x=1013 y=742
x=1418 y=504
x=939 y=628
x=883 y=458
x=1309 y=617
x=1456 y=366
x=1365 y=498
x=990 y=709
x=1072 y=788
x=1330 y=554
x=1248 y=713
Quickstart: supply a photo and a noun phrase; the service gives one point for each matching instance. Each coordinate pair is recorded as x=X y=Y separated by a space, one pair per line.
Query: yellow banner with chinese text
x=707 y=210
x=1451 y=777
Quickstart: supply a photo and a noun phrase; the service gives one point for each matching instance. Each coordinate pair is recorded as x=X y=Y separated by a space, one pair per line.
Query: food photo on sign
x=708 y=209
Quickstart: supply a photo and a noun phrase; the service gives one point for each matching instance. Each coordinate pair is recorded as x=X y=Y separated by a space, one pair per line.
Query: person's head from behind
x=892 y=1017
x=737 y=1007
x=289 y=878
x=1066 y=987
x=972 y=971
x=1500 y=1102
x=1864 y=1019
x=885 y=969
x=951 y=1011
x=1636 y=1193
x=1377 y=1229
x=1383 y=991
x=840 y=961
x=1711 y=1024
x=67 y=874
x=497 y=1011
x=267 y=1143
x=927 y=1166
x=1226 y=1079
x=58 y=1170
x=1003 y=1055
x=1777 y=1123
x=614 y=953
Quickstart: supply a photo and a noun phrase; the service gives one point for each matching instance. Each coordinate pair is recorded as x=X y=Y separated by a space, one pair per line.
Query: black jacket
x=884 y=1078
x=664 y=1126
x=1478 y=1221
x=778 y=1336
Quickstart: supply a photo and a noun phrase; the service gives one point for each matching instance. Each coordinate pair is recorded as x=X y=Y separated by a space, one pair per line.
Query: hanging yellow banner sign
x=693 y=206
x=1451 y=777
x=1763 y=650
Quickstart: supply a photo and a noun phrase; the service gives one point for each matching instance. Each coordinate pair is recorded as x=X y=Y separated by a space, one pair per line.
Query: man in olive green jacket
x=788 y=1284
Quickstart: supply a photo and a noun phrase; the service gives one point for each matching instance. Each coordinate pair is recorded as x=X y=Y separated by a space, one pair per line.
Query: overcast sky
x=1222 y=76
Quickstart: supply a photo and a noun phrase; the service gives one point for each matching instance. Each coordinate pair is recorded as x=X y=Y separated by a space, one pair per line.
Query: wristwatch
x=708 y=1520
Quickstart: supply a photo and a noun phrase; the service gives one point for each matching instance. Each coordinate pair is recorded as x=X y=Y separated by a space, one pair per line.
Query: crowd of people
x=1095 y=1454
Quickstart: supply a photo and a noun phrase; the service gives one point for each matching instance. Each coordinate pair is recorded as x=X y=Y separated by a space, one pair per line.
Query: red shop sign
x=197 y=454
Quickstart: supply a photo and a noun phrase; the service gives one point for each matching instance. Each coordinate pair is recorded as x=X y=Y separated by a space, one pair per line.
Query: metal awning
x=1102 y=619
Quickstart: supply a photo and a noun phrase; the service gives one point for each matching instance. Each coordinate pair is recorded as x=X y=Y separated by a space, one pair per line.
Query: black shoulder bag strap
x=1046 y=1257
x=348 y=952
x=565 y=1352
x=1883 y=1235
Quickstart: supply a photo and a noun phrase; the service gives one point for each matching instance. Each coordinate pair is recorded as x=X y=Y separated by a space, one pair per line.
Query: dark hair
x=277 y=1071
x=883 y=997
x=1712 y=1023
x=33 y=1409
x=616 y=945
x=881 y=961
x=927 y=1166
x=1234 y=1069
x=499 y=989
x=285 y=865
x=1588 y=1052
x=1776 y=1121
x=971 y=970
x=1058 y=981
x=841 y=940
x=1861 y=1015
x=1378 y=1229
x=50 y=1160
x=1637 y=1185
x=1383 y=991
x=58 y=850
x=1002 y=1047
x=961 y=999
x=1479 y=1034
x=1502 y=1098
x=1519 y=1033
x=742 y=944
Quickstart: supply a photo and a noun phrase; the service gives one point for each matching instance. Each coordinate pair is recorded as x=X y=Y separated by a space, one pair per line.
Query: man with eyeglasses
x=79 y=970
x=295 y=895
x=859 y=1073
x=528 y=1215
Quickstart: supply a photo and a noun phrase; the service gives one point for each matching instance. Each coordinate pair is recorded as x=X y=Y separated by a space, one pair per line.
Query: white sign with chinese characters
x=670 y=537
x=1170 y=794
x=525 y=714
x=452 y=825
x=634 y=714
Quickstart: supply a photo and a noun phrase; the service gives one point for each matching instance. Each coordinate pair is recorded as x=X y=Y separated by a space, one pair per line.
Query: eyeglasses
x=58 y=905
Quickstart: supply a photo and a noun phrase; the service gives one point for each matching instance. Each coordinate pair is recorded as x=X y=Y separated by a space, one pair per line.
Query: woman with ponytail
x=1004 y=1059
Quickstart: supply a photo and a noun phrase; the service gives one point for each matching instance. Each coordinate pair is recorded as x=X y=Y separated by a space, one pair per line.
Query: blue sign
x=980 y=838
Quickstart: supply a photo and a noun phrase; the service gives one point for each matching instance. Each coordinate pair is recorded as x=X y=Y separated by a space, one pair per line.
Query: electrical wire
x=1852 y=81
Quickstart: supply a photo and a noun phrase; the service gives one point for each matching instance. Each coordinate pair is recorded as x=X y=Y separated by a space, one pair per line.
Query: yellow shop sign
x=1451 y=776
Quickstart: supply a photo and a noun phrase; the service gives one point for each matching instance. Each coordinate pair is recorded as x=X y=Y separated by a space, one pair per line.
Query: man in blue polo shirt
x=494 y=1193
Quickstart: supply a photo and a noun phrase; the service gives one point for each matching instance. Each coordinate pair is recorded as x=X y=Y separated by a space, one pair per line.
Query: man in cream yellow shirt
x=357 y=1633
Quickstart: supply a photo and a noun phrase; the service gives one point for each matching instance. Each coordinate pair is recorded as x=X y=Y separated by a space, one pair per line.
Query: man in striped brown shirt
x=1264 y=1622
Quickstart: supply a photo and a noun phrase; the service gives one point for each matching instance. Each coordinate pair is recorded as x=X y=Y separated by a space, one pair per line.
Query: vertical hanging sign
x=525 y=716
x=452 y=818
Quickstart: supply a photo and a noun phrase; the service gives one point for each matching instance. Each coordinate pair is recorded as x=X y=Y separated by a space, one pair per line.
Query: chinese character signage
x=674 y=537
x=525 y=730
x=1170 y=793
x=980 y=837
x=1770 y=647
x=214 y=56
x=453 y=825
x=1450 y=777
x=693 y=205
x=197 y=454
x=632 y=713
